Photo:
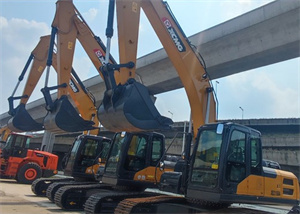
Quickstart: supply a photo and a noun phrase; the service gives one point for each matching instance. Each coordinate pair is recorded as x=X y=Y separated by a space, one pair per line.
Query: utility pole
x=217 y=82
x=242 y=112
x=171 y=115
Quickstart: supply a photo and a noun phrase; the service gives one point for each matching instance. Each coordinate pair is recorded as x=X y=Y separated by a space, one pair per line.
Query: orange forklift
x=24 y=164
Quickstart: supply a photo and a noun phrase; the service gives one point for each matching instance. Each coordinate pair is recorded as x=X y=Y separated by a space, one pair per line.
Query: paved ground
x=18 y=199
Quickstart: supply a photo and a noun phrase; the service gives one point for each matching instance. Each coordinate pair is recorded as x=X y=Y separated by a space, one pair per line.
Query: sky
x=268 y=92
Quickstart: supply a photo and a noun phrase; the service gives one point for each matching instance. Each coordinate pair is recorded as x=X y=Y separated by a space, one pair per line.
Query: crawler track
x=139 y=205
x=73 y=197
x=39 y=186
x=106 y=202
x=172 y=204
x=51 y=190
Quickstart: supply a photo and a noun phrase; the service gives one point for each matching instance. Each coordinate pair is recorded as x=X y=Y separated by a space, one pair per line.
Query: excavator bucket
x=63 y=116
x=130 y=108
x=22 y=121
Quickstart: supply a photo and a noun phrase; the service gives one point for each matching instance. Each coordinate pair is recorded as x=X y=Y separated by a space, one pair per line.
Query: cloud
x=244 y=2
x=84 y=67
x=261 y=92
x=18 y=38
x=176 y=102
x=21 y=35
x=3 y=22
x=285 y=101
x=237 y=8
x=91 y=14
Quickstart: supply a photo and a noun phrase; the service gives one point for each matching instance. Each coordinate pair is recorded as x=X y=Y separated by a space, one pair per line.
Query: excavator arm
x=127 y=104
x=186 y=61
x=82 y=98
x=185 y=58
x=69 y=26
x=21 y=119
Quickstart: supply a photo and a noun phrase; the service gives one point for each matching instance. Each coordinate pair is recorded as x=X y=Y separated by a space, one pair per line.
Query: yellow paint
x=134 y=7
x=70 y=45
x=40 y=69
x=92 y=169
x=252 y=185
x=214 y=166
x=148 y=174
x=255 y=185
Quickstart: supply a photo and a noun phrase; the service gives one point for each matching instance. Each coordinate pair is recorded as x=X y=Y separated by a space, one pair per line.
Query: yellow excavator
x=81 y=162
x=118 y=98
x=127 y=106
x=126 y=168
x=96 y=51
x=69 y=25
x=226 y=162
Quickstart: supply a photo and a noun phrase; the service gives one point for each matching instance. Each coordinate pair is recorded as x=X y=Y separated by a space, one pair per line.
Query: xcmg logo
x=100 y=55
x=177 y=41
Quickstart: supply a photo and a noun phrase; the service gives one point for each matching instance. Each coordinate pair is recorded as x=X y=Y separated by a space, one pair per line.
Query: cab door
x=235 y=161
x=136 y=158
x=243 y=167
x=255 y=180
x=143 y=156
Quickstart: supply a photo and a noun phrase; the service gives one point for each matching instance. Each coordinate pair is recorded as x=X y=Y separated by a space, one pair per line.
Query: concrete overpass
x=266 y=35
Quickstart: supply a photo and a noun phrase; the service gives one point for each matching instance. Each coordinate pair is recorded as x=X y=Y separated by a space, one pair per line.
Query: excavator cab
x=133 y=160
x=83 y=160
x=129 y=107
x=226 y=167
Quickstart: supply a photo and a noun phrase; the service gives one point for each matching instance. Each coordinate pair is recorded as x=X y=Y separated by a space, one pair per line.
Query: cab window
x=208 y=151
x=157 y=150
x=236 y=157
x=255 y=151
x=27 y=143
x=105 y=150
x=136 y=155
x=90 y=148
x=19 y=141
x=206 y=164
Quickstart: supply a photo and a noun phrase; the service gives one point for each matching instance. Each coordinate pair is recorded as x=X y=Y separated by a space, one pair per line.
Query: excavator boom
x=186 y=60
x=69 y=26
x=83 y=100
x=127 y=104
x=21 y=120
x=130 y=101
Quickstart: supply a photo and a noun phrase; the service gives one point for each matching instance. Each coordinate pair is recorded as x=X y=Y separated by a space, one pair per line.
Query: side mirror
x=161 y=166
x=220 y=128
x=183 y=155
